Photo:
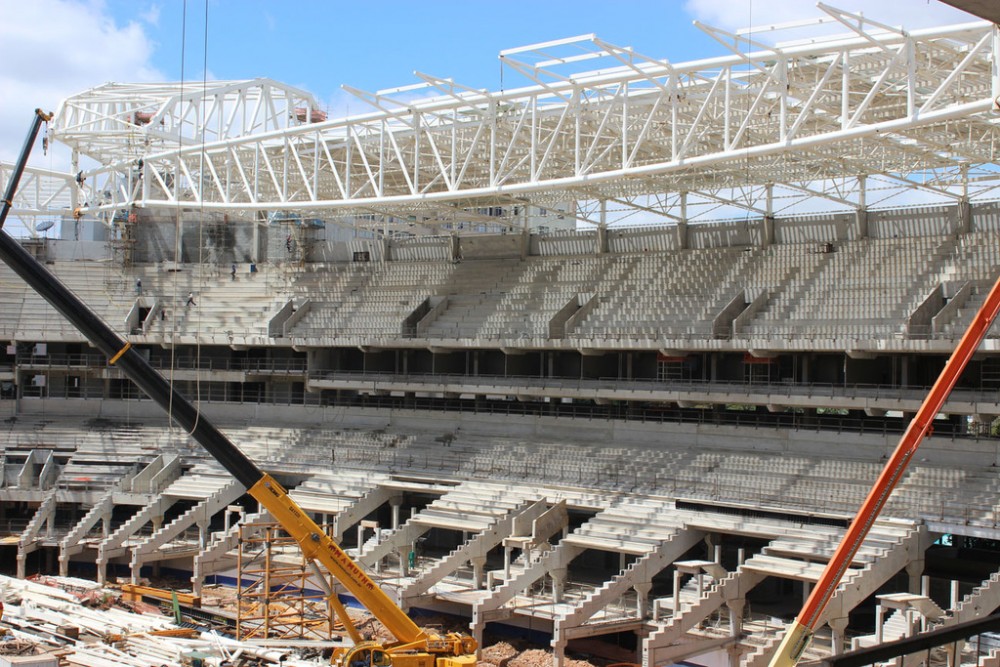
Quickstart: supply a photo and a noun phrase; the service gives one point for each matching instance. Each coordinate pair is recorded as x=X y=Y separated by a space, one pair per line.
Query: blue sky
x=54 y=48
x=379 y=44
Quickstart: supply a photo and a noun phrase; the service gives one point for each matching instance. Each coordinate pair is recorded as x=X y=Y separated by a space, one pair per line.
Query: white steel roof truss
x=743 y=202
x=917 y=185
x=470 y=153
x=411 y=188
x=501 y=169
x=903 y=102
x=41 y=192
x=694 y=127
x=307 y=179
x=971 y=57
x=660 y=210
x=341 y=187
x=279 y=192
x=193 y=183
x=589 y=161
x=219 y=187
x=875 y=89
x=158 y=175
x=233 y=158
x=372 y=180
x=823 y=194
x=553 y=140
x=769 y=83
x=806 y=110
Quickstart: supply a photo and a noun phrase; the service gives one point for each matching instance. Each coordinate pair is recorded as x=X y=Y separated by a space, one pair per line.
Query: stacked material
x=83 y=622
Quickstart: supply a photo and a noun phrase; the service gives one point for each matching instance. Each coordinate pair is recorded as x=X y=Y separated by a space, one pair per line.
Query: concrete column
x=558 y=651
x=642 y=600
x=767 y=231
x=507 y=551
x=913 y=571
x=478 y=569
x=404 y=560
x=767 y=223
x=677 y=592
x=839 y=627
x=395 y=504
x=736 y=616
x=735 y=654
x=558 y=583
x=964 y=216
x=879 y=622
x=861 y=213
x=682 y=224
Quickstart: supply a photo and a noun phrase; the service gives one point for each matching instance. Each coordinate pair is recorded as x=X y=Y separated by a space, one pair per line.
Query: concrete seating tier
x=865 y=288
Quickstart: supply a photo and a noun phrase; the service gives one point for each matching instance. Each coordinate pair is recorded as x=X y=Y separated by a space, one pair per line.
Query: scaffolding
x=274 y=596
x=121 y=241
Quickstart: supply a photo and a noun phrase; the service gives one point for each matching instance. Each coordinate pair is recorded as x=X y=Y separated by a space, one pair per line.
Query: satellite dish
x=44 y=225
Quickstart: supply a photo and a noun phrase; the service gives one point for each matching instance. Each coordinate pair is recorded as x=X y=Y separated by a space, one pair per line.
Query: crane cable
x=201 y=221
x=177 y=227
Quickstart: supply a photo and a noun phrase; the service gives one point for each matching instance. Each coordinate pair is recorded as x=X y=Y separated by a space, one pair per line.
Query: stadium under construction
x=608 y=361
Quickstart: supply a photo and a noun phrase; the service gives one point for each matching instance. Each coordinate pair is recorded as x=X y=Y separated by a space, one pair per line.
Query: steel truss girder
x=872 y=102
x=42 y=192
x=117 y=122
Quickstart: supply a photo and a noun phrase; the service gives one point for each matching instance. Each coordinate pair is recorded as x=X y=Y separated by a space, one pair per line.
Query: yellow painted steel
x=119 y=354
x=797 y=637
x=319 y=546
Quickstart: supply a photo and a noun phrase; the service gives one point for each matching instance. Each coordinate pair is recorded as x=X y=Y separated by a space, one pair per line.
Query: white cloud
x=52 y=49
x=910 y=14
x=151 y=16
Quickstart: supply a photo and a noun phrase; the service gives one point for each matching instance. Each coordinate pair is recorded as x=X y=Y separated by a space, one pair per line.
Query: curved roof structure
x=848 y=117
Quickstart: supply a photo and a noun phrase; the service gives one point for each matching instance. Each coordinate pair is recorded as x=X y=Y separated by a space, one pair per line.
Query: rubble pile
x=498 y=654
x=503 y=654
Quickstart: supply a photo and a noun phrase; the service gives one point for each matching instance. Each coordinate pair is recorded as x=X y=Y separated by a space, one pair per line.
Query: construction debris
x=92 y=626
x=67 y=621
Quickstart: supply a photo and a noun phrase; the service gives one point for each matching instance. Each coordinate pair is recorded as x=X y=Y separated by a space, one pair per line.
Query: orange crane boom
x=800 y=631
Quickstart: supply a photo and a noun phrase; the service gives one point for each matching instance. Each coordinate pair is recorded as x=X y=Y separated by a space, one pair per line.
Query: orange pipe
x=798 y=635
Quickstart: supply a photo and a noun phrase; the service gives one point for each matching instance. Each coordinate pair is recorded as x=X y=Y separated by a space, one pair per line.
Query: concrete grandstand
x=640 y=442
